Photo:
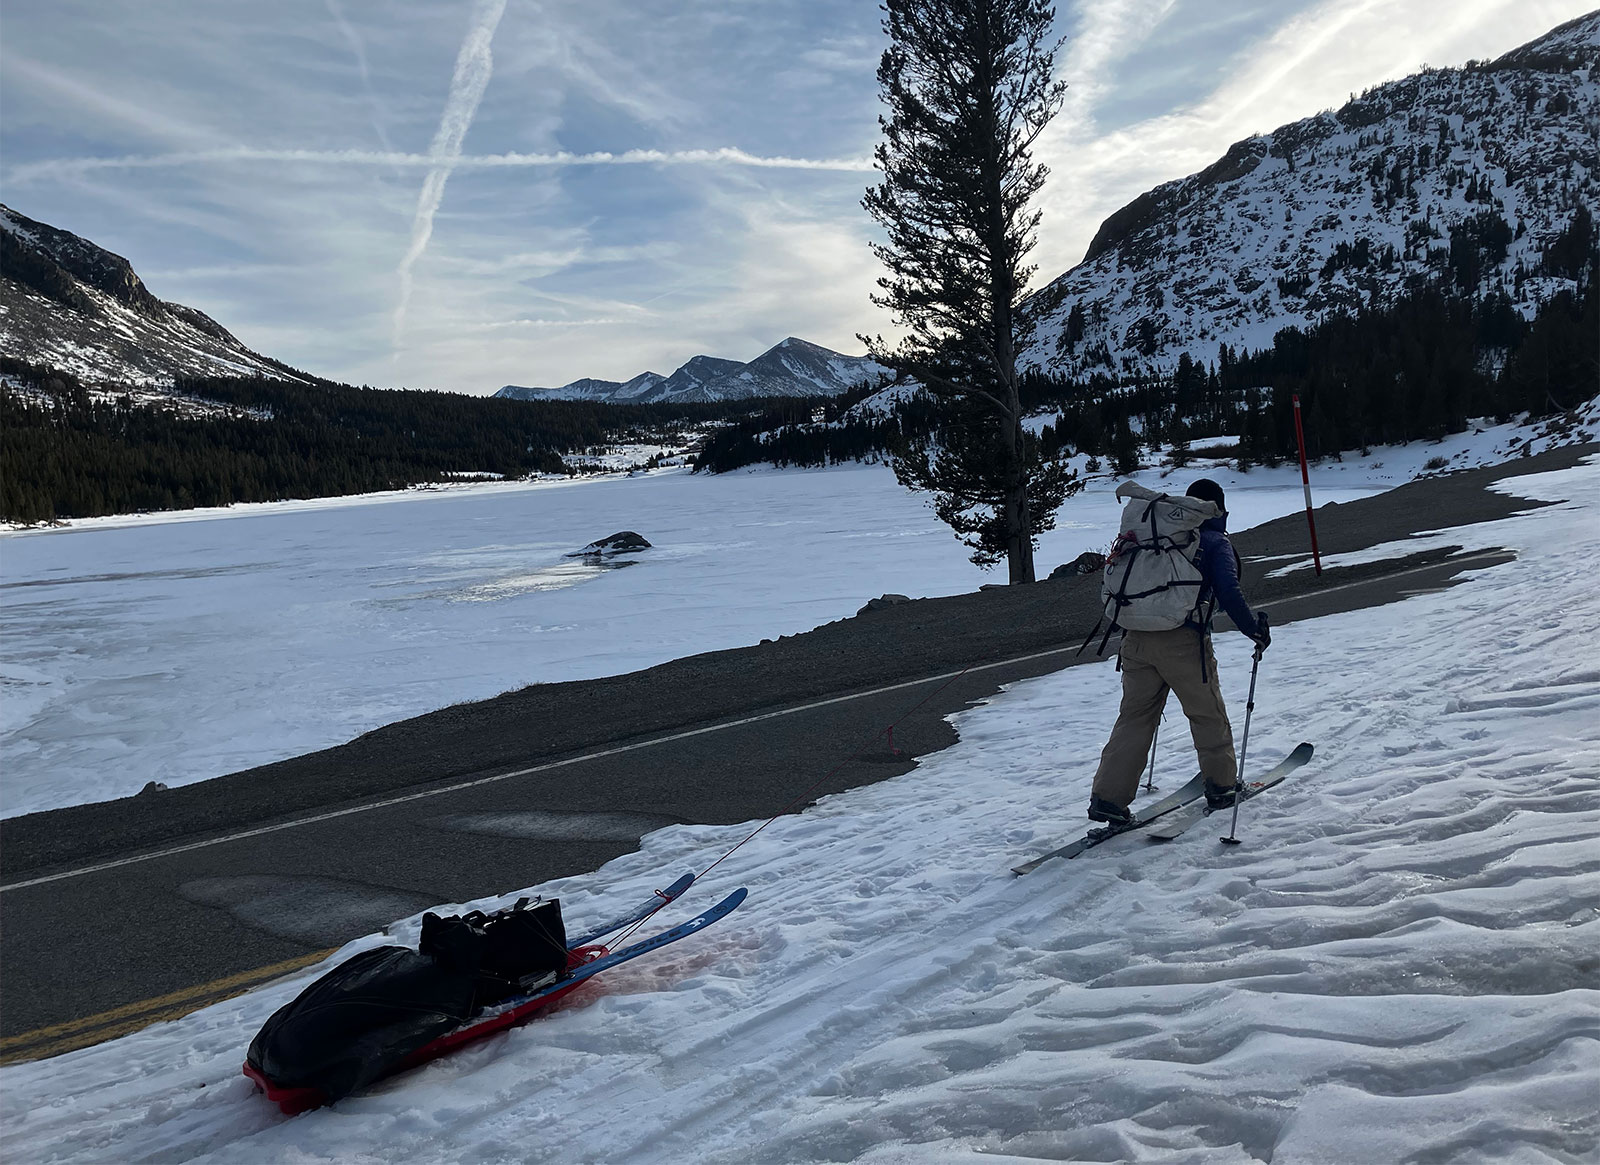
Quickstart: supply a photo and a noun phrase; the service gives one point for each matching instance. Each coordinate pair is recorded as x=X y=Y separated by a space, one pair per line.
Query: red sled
x=390 y=1009
x=292 y=1101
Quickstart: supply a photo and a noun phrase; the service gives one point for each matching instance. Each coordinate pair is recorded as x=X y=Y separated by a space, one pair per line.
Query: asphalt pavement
x=118 y=914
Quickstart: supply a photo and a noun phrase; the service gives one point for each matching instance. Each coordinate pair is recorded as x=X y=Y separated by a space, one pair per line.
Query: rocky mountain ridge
x=70 y=304
x=792 y=367
x=1484 y=179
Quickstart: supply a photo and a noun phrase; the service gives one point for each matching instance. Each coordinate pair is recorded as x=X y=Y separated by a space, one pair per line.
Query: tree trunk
x=1019 y=533
x=1024 y=515
x=1014 y=510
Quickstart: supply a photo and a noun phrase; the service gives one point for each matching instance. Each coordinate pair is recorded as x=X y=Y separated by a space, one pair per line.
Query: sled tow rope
x=800 y=799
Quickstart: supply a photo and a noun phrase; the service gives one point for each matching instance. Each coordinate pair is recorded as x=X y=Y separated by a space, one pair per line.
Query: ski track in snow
x=1399 y=964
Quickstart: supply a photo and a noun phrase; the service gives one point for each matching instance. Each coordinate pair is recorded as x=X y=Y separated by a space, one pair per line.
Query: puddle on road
x=547 y=825
x=321 y=912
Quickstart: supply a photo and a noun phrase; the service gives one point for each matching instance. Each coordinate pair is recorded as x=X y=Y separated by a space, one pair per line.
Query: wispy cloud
x=494 y=325
x=474 y=67
x=359 y=49
x=101 y=108
x=70 y=167
x=543 y=262
x=1112 y=30
x=582 y=61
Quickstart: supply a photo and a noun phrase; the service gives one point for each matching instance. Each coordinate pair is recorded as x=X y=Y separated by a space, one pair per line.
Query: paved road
x=114 y=915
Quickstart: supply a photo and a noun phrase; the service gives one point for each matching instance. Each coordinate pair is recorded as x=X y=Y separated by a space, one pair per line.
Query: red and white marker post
x=1305 y=480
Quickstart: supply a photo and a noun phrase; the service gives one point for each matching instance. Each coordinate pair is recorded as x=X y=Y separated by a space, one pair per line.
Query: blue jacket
x=1219 y=573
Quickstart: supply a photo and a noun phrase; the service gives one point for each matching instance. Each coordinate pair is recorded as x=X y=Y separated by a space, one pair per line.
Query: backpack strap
x=1106 y=638
x=1090 y=636
x=1182 y=582
x=1120 y=596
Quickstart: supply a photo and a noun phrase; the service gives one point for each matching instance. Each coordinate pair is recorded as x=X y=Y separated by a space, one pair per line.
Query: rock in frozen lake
x=621 y=542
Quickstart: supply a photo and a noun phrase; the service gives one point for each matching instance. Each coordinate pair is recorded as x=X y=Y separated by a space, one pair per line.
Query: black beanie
x=1208 y=491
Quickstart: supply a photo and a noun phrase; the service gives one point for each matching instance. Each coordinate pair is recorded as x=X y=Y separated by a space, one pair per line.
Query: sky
x=461 y=194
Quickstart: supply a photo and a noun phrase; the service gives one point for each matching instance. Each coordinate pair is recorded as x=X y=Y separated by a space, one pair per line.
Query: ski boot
x=1103 y=810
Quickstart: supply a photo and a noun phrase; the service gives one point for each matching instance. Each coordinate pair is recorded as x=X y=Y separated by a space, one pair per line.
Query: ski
x=1189 y=791
x=642 y=912
x=1179 y=822
x=1175 y=825
x=586 y=962
x=683 y=930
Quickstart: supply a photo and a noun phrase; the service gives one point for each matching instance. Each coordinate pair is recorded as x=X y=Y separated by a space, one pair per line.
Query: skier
x=1152 y=662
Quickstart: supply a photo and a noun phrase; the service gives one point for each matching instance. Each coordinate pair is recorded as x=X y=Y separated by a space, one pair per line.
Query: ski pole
x=1244 y=744
x=1150 y=777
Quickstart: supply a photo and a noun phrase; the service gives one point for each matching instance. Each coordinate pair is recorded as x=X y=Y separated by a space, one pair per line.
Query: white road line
x=652 y=742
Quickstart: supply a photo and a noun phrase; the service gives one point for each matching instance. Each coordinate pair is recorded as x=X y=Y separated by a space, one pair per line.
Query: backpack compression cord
x=1151 y=580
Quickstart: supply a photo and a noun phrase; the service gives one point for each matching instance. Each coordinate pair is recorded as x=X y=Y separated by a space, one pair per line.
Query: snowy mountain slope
x=586 y=388
x=692 y=380
x=1397 y=965
x=1468 y=177
x=69 y=304
x=792 y=367
x=639 y=387
x=796 y=367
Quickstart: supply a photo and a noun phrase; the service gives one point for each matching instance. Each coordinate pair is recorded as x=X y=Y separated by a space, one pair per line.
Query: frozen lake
x=180 y=647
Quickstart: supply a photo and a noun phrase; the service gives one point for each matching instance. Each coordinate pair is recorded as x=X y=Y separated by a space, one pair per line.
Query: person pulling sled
x=1171 y=566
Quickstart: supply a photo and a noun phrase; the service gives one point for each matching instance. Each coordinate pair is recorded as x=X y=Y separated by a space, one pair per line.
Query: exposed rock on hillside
x=67 y=303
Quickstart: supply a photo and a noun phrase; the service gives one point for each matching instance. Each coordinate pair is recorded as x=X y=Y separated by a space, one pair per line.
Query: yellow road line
x=119 y=1021
x=85 y=1039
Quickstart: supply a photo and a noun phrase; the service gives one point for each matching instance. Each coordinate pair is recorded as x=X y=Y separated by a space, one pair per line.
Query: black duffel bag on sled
x=367 y=1016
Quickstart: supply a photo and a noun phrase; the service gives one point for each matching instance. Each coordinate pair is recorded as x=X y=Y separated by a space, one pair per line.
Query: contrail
x=1112 y=31
x=474 y=66
x=75 y=167
x=360 y=52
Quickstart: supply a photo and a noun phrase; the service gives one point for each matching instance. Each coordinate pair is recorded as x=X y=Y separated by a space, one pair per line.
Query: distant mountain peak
x=791 y=367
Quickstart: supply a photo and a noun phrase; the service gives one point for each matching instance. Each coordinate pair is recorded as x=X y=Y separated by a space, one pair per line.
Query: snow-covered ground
x=178 y=647
x=1399 y=964
x=625 y=458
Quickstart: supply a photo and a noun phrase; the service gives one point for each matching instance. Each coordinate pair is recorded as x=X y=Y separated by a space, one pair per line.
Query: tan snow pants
x=1152 y=663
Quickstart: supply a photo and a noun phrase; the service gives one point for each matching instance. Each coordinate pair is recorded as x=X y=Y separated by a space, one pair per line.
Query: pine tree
x=1124 y=447
x=968 y=87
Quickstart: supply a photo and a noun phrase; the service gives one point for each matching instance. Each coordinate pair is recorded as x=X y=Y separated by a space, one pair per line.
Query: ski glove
x=1264 y=638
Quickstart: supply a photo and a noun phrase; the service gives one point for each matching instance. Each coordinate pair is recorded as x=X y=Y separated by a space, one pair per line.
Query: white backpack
x=1152 y=577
